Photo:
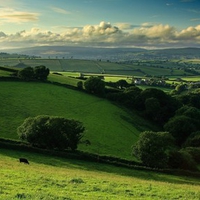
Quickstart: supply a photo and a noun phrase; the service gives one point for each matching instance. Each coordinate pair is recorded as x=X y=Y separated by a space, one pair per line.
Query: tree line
x=177 y=144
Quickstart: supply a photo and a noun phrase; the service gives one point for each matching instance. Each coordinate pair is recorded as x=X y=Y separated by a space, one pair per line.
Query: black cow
x=24 y=160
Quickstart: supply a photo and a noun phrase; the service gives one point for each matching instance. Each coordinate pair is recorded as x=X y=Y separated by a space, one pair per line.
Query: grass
x=110 y=129
x=90 y=66
x=78 y=179
x=4 y=73
x=84 y=180
x=63 y=79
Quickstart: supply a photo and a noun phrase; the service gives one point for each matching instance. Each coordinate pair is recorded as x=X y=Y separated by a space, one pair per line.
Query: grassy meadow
x=53 y=178
x=110 y=129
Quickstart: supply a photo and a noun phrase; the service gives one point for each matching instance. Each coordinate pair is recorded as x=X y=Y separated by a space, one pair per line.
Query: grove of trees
x=95 y=85
x=36 y=73
x=51 y=132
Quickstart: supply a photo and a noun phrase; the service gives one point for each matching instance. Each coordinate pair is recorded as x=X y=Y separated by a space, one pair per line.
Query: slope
x=110 y=129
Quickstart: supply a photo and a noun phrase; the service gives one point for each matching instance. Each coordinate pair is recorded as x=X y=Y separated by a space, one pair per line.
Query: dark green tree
x=152 y=148
x=51 y=132
x=180 y=127
x=41 y=72
x=95 y=86
x=180 y=88
x=121 y=84
x=167 y=104
x=80 y=85
x=152 y=108
x=193 y=140
x=26 y=73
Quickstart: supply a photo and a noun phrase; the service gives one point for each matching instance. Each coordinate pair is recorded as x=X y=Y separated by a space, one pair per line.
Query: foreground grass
x=56 y=178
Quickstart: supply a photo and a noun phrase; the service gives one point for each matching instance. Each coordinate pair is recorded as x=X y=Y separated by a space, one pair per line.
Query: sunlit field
x=55 y=178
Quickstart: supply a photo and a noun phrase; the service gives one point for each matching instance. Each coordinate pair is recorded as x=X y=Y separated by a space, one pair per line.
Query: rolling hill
x=55 y=178
x=110 y=129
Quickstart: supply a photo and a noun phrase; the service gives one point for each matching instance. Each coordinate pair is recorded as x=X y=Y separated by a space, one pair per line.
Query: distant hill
x=112 y=54
x=77 y=52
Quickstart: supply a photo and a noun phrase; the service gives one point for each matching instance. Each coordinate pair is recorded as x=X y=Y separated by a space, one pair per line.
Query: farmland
x=136 y=68
x=78 y=179
x=111 y=129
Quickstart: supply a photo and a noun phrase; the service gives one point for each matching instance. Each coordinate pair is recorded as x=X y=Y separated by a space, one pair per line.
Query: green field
x=151 y=68
x=54 y=178
x=110 y=129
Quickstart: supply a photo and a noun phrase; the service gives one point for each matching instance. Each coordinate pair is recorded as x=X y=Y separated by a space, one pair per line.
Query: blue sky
x=110 y=23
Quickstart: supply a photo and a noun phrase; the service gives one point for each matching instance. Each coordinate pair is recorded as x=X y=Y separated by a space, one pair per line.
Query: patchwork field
x=150 y=68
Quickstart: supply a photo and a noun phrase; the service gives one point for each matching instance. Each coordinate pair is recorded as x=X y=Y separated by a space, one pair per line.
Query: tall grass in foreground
x=56 y=178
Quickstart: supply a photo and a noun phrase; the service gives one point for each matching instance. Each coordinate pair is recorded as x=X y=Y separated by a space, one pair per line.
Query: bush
x=180 y=127
x=51 y=132
x=95 y=86
x=152 y=148
x=193 y=140
x=194 y=152
x=181 y=160
x=80 y=85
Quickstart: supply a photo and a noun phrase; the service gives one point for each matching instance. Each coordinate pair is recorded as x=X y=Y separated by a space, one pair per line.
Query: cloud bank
x=105 y=34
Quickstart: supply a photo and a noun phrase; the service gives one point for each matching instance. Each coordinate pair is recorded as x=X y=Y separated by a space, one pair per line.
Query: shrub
x=152 y=148
x=51 y=132
x=194 y=152
x=181 y=160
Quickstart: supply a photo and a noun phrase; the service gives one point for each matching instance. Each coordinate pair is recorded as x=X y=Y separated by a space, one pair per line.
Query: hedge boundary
x=89 y=157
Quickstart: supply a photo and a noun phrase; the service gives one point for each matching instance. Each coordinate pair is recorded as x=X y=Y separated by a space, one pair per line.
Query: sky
x=149 y=24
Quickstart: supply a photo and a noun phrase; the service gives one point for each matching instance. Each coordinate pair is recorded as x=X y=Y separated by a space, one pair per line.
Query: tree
x=180 y=127
x=181 y=160
x=180 y=88
x=80 y=85
x=95 y=85
x=121 y=84
x=41 y=72
x=51 y=132
x=152 y=108
x=193 y=140
x=167 y=104
x=26 y=74
x=38 y=72
x=152 y=148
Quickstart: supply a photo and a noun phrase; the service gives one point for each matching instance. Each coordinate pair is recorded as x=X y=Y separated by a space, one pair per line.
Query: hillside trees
x=184 y=123
x=152 y=148
x=30 y=73
x=51 y=132
x=41 y=72
x=95 y=86
x=180 y=127
x=156 y=105
x=26 y=74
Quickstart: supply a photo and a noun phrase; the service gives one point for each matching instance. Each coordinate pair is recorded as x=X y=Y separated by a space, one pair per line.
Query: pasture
x=151 y=68
x=110 y=129
x=54 y=178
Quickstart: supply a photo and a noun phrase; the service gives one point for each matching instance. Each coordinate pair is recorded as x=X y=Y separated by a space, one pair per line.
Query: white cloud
x=108 y=35
x=60 y=10
x=8 y=15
